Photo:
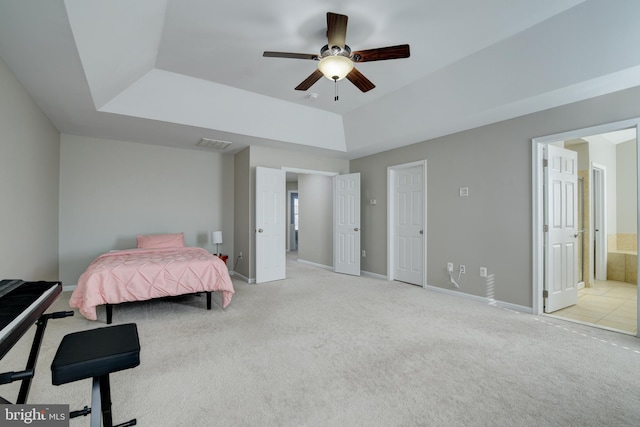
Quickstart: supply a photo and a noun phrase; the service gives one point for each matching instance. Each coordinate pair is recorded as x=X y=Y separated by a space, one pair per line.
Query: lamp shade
x=335 y=67
x=216 y=237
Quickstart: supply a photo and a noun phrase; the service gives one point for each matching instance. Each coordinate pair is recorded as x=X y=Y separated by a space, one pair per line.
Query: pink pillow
x=160 y=241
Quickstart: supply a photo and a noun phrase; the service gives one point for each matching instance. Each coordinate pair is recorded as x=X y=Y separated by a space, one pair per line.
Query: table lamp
x=216 y=239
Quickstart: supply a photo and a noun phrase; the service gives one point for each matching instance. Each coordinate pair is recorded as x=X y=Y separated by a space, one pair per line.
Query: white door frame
x=308 y=171
x=599 y=200
x=538 y=202
x=391 y=218
x=289 y=208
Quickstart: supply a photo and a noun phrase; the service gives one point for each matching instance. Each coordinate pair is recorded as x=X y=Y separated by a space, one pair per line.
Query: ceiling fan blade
x=361 y=82
x=336 y=29
x=291 y=55
x=381 y=53
x=309 y=81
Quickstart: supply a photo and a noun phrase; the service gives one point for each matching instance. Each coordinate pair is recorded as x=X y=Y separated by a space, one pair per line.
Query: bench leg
x=96 y=409
x=109 y=313
x=105 y=401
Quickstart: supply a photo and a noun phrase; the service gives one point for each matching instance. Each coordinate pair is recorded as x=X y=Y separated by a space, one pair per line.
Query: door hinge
x=546 y=228
x=545 y=294
x=545 y=163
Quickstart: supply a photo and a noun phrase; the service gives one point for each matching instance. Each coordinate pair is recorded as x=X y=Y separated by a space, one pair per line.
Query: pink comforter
x=143 y=274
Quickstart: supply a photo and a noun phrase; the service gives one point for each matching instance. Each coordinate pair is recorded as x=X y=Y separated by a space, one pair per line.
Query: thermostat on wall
x=464 y=191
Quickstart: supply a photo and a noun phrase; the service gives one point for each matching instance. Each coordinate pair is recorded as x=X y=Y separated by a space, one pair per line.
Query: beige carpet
x=321 y=349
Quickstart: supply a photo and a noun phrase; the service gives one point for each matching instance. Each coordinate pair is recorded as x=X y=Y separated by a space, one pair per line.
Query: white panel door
x=561 y=254
x=270 y=225
x=346 y=224
x=409 y=225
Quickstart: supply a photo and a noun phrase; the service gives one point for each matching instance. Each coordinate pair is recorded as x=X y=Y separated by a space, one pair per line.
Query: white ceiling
x=612 y=138
x=170 y=72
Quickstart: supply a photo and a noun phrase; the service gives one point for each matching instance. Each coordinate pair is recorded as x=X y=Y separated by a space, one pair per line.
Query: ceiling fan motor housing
x=335 y=51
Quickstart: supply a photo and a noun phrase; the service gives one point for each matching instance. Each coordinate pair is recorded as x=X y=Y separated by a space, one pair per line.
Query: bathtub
x=622 y=266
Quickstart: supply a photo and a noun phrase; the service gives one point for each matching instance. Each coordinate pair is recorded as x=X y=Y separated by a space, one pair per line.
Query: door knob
x=259 y=230
x=421 y=231
x=355 y=229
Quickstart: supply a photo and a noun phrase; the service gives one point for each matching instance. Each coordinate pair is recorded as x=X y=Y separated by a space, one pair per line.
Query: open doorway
x=315 y=202
x=605 y=241
x=309 y=202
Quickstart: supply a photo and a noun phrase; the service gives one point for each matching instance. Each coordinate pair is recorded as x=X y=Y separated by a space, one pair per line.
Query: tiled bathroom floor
x=608 y=303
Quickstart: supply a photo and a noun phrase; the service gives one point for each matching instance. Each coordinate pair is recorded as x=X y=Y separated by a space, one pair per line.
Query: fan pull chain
x=335 y=81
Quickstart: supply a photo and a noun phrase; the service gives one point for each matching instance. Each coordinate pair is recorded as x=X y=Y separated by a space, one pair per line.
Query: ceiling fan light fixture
x=336 y=59
x=335 y=67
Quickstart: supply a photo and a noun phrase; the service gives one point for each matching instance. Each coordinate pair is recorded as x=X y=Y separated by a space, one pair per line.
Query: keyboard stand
x=27 y=374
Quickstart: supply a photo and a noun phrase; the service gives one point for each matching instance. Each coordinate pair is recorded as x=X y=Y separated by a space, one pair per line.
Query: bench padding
x=95 y=353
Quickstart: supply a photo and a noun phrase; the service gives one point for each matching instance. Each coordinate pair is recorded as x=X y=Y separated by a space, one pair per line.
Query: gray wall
x=111 y=191
x=492 y=226
x=29 y=170
x=315 y=236
x=242 y=212
x=627 y=192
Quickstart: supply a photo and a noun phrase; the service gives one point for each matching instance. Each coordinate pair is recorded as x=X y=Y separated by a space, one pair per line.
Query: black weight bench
x=95 y=354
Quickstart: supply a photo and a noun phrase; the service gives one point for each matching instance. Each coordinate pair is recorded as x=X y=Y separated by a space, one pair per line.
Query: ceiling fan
x=337 y=60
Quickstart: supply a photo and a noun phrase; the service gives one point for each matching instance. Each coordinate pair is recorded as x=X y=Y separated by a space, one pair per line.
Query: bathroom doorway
x=607 y=223
x=607 y=296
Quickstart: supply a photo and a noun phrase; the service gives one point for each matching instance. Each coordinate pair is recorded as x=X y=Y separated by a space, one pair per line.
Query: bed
x=161 y=266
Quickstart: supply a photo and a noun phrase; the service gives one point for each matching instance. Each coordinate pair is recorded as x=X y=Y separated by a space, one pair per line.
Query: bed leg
x=209 y=300
x=109 y=313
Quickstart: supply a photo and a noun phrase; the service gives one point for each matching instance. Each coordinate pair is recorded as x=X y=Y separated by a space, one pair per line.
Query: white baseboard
x=485 y=300
x=68 y=287
x=235 y=274
x=315 y=264
x=373 y=275
x=328 y=267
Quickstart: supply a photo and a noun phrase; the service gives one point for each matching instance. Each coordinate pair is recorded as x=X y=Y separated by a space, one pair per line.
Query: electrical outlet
x=364 y=253
x=483 y=271
x=462 y=269
x=240 y=256
x=450 y=267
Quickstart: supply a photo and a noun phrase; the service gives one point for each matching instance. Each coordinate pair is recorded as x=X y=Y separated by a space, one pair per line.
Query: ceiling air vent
x=212 y=143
